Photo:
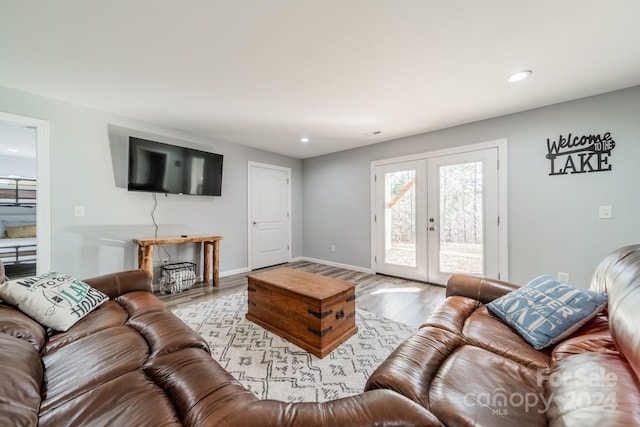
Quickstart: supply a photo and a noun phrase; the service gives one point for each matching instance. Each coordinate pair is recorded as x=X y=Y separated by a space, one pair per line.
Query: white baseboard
x=301 y=258
x=233 y=272
x=336 y=264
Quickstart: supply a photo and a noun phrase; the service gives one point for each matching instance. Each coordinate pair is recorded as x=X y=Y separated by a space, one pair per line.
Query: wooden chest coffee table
x=314 y=312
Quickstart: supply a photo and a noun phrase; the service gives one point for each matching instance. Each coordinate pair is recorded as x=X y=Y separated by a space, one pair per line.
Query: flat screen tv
x=163 y=168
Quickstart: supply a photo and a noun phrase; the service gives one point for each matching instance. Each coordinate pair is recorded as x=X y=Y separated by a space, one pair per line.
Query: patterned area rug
x=273 y=368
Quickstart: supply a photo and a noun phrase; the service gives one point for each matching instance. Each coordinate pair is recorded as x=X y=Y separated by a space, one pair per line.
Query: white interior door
x=269 y=215
x=438 y=216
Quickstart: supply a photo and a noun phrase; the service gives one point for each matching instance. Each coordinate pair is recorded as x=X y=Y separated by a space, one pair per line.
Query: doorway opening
x=24 y=196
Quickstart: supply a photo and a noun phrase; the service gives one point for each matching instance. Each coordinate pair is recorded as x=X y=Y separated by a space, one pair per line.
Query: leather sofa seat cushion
x=66 y=368
x=593 y=389
x=128 y=400
x=483 y=329
x=132 y=330
x=477 y=387
x=473 y=321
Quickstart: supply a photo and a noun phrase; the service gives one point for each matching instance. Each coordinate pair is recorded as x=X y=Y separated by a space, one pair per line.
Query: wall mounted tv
x=163 y=168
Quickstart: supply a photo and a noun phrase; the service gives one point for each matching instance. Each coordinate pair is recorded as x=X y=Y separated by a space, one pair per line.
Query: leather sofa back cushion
x=19 y=325
x=595 y=336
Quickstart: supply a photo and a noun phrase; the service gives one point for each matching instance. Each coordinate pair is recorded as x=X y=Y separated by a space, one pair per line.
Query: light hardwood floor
x=397 y=299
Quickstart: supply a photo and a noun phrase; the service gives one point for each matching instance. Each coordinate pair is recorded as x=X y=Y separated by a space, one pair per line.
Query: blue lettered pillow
x=545 y=311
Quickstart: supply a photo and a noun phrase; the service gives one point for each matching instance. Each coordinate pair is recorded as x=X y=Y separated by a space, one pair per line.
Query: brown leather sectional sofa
x=131 y=362
x=469 y=369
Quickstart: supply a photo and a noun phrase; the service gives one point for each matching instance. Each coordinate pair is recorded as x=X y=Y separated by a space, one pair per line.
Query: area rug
x=273 y=368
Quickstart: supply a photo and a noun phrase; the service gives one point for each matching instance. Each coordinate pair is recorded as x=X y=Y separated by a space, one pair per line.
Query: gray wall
x=553 y=220
x=553 y=224
x=88 y=151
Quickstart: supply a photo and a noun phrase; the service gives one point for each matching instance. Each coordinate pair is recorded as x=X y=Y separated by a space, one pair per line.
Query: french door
x=437 y=216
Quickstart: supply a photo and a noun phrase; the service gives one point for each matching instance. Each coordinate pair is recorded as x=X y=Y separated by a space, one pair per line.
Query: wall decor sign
x=580 y=154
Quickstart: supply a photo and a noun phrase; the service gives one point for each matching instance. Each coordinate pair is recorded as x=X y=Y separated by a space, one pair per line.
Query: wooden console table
x=145 y=253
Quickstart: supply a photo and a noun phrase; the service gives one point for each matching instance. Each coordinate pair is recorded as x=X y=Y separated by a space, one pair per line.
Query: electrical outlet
x=563 y=277
x=333 y=248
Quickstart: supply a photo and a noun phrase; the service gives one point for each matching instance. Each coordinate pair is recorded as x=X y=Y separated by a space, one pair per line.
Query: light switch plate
x=605 y=212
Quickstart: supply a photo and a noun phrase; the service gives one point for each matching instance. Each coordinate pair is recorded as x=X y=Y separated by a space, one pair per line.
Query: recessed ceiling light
x=304 y=140
x=373 y=133
x=519 y=76
x=12 y=150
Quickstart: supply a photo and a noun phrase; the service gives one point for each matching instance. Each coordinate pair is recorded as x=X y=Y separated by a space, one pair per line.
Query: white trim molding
x=338 y=265
x=503 y=239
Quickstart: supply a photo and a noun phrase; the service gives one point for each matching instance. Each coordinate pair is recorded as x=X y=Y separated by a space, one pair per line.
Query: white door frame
x=501 y=145
x=43 y=189
x=250 y=165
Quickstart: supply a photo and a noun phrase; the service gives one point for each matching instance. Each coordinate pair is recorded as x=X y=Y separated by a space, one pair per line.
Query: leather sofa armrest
x=116 y=284
x=482 y=289
x=371 y=408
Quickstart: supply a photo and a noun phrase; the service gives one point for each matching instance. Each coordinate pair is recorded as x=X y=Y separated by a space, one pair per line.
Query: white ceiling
x=265 y=73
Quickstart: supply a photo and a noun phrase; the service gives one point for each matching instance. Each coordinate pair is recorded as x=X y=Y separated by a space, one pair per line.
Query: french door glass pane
x=461 y=222
x=400 y=218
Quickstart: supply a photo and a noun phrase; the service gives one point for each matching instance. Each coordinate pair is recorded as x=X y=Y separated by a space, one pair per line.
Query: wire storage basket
x=177 y=277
